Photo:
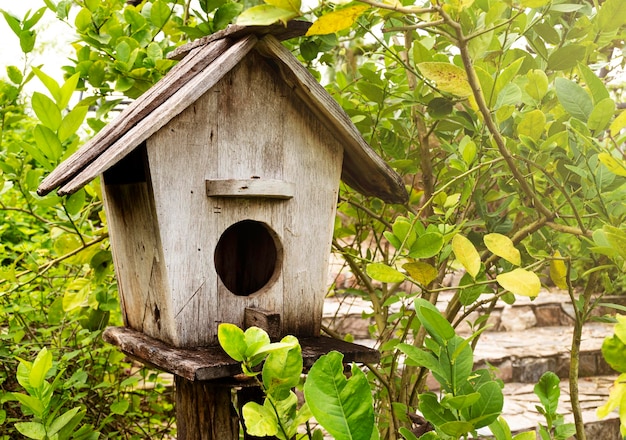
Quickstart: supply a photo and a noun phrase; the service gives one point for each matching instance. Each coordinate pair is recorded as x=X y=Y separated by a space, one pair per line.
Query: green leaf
x=48 y=142
x=574 y=99
x=232 y=340
x=507 y=75
x=594 y=84
x=435 y=324
x=46 y=110
x=601 y=115
x=159 y=13
x=548 y=391
x=449 y=78
x=37 y=155
x=537 y=85
x=41 y=366
x=15 y=75
x=27 y=41
x=421 y=272
x=427 y=245
x=256 y=340
x=72 y=122
x=433 y=411
x=466 y=254
x=456 y=428
x=260 y=420
x=67 y=90
x=337 y=20
x=613 y=350
x=403 y=232
x=461 y=401
x=225 y=14
x=120 y=407
x=503 y=247
x=520 y=282
x=49 y=82
x=343 y=407
x=34 y=430
x=558 y=271
x=566 y=57
x=488 y=408
x=532 y=124
x=384 y=273
x=611 y=16
x=61 y=421
x=420 y=358
x=282 y=369
x=264 y=15
x=32 y=403
x=289 y=5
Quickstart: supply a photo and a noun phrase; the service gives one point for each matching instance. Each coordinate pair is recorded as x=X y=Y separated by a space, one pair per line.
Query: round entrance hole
x=247 y=257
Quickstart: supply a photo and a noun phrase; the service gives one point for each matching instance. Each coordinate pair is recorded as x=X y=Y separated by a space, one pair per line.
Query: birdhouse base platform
x=208 y=363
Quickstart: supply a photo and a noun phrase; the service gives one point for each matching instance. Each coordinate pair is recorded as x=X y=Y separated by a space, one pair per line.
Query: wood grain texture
x=208 y=363
x=192 y=88
x=138 y=259
x=363 y=169
x=133 y=114
x=205 y=411
x=267 y=188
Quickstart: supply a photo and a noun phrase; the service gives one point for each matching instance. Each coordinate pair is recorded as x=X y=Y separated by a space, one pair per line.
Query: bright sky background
x=52 y=48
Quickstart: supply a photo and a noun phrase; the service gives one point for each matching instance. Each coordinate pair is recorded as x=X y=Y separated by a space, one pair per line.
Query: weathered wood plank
x=263 y=319
x=204 y=411
x=206 y=363
x=363 y=169
x=294 y=28
x=267 y=188
x=189 y=92
x=134 y=113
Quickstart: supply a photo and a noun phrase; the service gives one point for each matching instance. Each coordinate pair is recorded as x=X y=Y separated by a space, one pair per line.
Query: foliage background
x=504 y=118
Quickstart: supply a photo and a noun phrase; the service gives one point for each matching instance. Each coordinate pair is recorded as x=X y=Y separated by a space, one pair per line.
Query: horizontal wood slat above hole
x=267 y=188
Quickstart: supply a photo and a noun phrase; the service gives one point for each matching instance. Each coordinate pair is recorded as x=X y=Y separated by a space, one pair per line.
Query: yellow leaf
x=616 y=166
x=264 y=15
x=337 y=20
x=534 y=3
x=520 y=282
x=467 y=254
x=289 y=5
x=618 y=123
x=532 y=124
x=558 y=271
x=503 y=247
x=448 y=77
x=421 y=272
x=617 y=397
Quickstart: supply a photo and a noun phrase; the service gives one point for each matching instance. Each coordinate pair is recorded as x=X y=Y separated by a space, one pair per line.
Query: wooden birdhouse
x=220 y=186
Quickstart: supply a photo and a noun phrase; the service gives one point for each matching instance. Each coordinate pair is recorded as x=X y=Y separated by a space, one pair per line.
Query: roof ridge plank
x=161 y=115
x=293 y=28
x=198 y=59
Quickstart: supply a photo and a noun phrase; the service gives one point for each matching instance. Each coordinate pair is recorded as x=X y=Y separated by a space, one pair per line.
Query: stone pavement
x=524 y=341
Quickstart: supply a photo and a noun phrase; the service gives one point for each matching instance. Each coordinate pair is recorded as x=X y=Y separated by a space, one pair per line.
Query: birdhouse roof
x=202 y=65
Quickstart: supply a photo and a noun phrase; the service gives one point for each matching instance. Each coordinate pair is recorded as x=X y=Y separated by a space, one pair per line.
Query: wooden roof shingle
x=202 y=65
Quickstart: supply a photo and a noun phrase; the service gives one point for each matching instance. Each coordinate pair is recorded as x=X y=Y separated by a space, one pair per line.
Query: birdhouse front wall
x=197 y=260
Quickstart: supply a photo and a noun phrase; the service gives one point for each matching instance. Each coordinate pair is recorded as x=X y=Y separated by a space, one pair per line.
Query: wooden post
x=204 y=411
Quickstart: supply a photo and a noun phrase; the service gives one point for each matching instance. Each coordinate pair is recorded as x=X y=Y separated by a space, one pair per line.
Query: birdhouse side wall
x=136 y=249
x=249 y=126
